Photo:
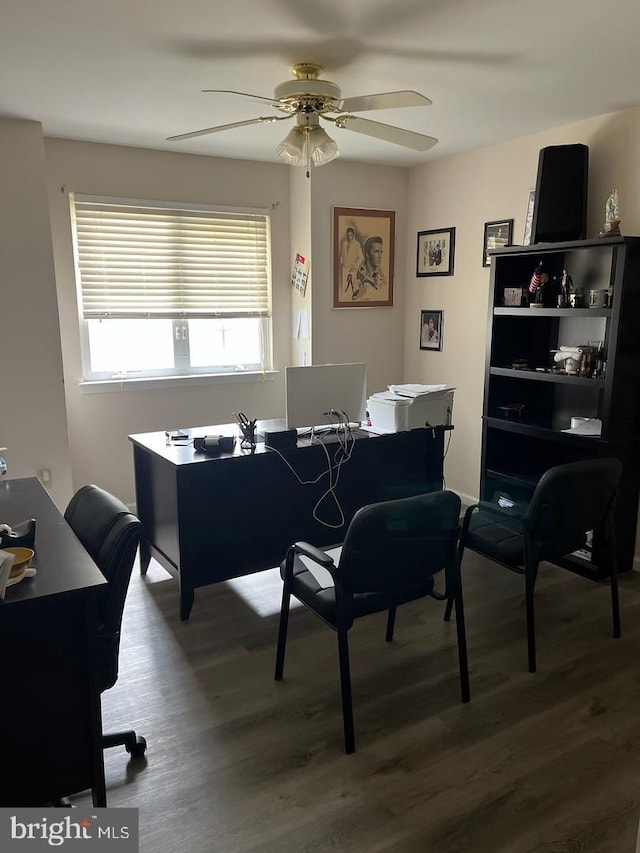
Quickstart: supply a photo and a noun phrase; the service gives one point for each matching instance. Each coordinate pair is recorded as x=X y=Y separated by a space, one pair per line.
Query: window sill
x=108 y=386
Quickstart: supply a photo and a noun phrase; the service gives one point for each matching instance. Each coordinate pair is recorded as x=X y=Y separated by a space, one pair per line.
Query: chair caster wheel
x=139 y=749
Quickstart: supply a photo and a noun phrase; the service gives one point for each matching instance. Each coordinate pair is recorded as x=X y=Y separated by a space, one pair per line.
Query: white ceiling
x=130 y=71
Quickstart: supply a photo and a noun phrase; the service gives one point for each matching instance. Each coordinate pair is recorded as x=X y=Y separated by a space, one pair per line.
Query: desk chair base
x=135 y=744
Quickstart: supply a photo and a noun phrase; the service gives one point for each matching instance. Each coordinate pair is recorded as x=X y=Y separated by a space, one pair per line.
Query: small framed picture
x=514 y=297
x=431 y=330
x=435 y=252
x=496 y=235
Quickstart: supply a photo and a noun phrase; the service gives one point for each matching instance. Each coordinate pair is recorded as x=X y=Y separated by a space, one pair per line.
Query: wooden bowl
x=21 y=559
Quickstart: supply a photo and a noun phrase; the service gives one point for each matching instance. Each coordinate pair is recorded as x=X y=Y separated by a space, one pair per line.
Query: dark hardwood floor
x=239 y=764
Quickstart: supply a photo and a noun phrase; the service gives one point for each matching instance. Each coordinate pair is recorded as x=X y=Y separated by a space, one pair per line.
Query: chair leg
x=615 y=601
x=282 y=632
x=462 y=649
x=391 y=621
x=451 y=599
x=448 y=609
x=345 y=686
x=530 y=580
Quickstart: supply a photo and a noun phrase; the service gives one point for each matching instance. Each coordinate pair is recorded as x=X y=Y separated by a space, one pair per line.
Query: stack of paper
x=392 y=397
x=415 y=390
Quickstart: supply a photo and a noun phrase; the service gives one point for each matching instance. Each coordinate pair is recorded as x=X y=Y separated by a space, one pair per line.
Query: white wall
x=33 y=421
x=373 y=335
x=466 y=191
x=300 y=231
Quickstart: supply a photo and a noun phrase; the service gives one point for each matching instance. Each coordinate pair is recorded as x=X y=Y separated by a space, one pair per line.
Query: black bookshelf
x=529 y=399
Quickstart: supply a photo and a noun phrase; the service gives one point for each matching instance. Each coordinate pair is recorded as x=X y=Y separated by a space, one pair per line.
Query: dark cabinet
x=550 y=367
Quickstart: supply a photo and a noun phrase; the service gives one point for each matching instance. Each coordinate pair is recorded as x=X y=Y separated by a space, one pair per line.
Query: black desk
x=50 y=711
x=207 y=519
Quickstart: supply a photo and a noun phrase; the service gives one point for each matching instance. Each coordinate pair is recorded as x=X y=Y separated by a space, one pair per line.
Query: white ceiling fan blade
x=397 y=135
x=260 y=120
x=274 y=102
x=385 y=100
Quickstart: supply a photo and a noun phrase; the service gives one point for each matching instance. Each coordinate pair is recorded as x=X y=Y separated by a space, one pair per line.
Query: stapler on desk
x=23 y=535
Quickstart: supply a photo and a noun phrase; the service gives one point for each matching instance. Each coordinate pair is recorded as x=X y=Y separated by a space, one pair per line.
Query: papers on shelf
x=416 y=390
x=582 y=554
x=588 y=426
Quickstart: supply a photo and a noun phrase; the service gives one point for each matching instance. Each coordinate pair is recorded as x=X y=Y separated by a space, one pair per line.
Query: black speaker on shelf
x=560 y=205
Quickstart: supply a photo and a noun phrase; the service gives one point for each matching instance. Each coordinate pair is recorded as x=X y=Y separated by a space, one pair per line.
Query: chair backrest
x=110 y=534
x=571 y=499
x=398 y=544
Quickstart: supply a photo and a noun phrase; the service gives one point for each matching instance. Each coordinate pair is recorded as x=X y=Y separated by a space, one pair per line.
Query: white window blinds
x=148 y=259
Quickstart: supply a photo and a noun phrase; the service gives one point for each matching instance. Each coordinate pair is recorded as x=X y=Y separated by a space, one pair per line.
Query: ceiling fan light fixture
x=307 y=144
x=322 y=147
x=293 y=149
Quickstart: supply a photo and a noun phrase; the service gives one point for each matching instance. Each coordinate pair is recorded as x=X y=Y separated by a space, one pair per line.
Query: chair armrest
x=315 y=554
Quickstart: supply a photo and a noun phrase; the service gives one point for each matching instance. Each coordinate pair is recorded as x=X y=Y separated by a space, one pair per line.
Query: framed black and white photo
x=431 y=323
x=496 y=235
x=435 y=252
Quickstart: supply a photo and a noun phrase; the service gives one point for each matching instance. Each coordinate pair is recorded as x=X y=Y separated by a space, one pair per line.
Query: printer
x=404 y=407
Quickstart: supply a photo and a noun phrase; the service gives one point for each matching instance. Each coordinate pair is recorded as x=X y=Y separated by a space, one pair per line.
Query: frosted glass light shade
x=306 y=143
x=323 y=148
x=292 y=149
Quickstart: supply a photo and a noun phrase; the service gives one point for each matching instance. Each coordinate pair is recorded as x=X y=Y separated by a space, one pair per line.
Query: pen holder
x=248 y=431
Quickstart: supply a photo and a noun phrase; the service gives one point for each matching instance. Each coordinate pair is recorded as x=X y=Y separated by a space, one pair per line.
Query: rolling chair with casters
x=569 y=500
x=389 y=556
x=110 y=534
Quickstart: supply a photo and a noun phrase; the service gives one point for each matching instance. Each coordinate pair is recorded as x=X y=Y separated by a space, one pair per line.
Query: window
x=171 y=289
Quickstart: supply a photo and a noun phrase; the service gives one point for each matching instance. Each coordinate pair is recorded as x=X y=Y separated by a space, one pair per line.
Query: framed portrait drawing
x=363 y=257
x=431 y=327
x=435 y=252
x=496 y=235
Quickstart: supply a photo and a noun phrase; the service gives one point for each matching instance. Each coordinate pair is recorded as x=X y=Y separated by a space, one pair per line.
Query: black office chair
x=389 y=556
x=110 y=533
x=568 y=501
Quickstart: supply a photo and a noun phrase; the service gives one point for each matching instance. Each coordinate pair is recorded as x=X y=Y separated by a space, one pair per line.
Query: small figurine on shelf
x=611 y=227
x=566 y=286
x=536 y=286
x=576 y=298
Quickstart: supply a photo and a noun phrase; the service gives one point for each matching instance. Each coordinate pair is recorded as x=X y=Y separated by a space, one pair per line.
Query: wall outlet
x=44 y=475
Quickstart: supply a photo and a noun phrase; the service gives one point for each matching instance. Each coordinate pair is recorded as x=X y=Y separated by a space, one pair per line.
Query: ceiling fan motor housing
x=307 y=90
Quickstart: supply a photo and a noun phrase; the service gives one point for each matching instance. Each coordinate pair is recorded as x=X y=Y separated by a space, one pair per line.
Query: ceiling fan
x=308 y=99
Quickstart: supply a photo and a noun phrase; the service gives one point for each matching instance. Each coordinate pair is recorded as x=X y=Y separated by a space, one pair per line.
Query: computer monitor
x=318 y=389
